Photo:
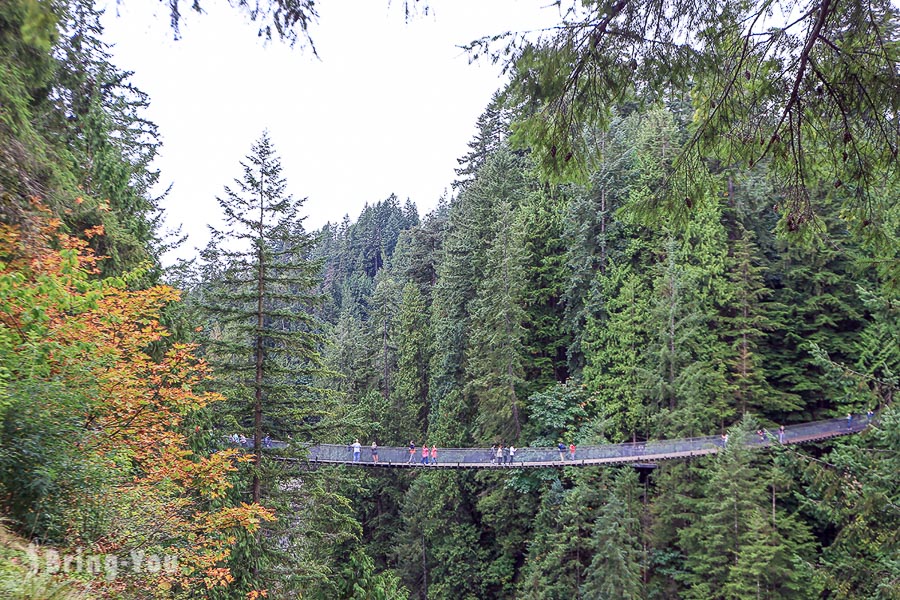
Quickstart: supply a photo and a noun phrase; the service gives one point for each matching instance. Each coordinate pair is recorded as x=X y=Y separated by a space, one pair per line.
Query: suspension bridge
x=549 y=457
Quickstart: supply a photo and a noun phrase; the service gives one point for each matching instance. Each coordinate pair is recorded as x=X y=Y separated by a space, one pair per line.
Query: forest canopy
x=619 y=261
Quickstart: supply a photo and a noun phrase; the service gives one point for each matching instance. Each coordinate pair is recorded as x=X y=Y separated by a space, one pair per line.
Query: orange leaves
x=217 y=577
x=59 y=325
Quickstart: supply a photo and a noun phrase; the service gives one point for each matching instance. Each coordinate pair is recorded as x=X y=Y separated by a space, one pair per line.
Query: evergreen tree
x=111 y=144
x=437 y=547
x=461 y=267
x=494 y=354
x=264 y=341
x=492 y=130
x=409 y=396
x=821 y=308
x=615 y=570
x=543 y=262
x=747 y=314
x=741 y=545
x=615 y=369
x=796 y=94
x=852 y=491
x=593 y=235
x=560 y=554
x=383 y=316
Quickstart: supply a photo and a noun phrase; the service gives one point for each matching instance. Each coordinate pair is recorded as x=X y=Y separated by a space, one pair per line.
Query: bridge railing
x=611 y=452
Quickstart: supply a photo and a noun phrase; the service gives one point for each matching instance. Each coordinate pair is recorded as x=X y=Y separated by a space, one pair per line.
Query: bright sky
x=388 y=108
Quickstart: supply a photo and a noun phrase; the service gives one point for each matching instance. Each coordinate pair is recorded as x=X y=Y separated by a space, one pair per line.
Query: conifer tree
x=492 y=130
x=544 y=264
x=615 y=570
x=409 y=396
x=616 y=365
x=560 y=555
x=264 y=341
x=821 y=307
x=382 y=321
x=461 y=267
x=748 y=314
x=494 y=354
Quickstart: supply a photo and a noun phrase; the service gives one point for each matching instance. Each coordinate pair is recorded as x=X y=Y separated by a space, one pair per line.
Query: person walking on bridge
x=562 y=451
x=849 y=420
x=424 y=454
x=374 y=452
x=572 y=450
x=493 y=455
x=356 y=449
x=412 y=452
x=512 y=453
x=433 y=454
x=500 y=454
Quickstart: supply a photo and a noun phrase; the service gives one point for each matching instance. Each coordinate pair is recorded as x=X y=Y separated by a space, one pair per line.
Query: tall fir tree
x=409 y=396
x=616 y=368
x=265 y=343
x=615 y=569
x=494 y=355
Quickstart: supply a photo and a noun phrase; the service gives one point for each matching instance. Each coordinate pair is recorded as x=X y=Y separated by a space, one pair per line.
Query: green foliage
x=258 y=291
x=494 y=353
x=409 y=395
x=614 y=350
x=545 y=278
x=360 y=581
x=813 y=96
x=556 y=414
x=615 y=570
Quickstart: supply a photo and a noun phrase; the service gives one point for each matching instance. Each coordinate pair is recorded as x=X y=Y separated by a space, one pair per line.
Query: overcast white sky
x=387 y=108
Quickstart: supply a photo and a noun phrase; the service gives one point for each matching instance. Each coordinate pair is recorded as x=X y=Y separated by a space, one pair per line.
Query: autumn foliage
x=76 y=351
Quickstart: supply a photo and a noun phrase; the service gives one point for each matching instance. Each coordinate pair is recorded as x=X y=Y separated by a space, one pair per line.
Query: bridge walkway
x=544 y=457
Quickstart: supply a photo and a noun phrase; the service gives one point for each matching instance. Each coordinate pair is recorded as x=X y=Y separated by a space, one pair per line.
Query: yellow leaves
x=93 y=336
x=257 y=594
x=217 y=577
x=95 y=231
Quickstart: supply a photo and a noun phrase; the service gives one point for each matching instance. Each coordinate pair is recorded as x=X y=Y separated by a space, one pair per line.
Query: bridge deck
x=531 y=457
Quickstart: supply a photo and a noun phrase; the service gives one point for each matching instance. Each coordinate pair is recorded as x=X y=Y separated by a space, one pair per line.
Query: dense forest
x=618 y=279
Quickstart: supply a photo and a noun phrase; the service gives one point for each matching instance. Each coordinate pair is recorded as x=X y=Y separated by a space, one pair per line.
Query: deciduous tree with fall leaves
x=93 y=453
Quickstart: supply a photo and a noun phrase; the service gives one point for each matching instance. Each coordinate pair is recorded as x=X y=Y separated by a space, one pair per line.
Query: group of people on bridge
x=562 y=451
x=502 y=455
x=429 y=457
x=356 y=447
x=240 y=439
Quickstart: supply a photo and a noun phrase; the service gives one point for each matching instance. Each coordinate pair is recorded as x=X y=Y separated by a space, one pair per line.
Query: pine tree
x=494 y=354
x=409 y=395
x=264 y=342
x=615 y=369
x=615 y=570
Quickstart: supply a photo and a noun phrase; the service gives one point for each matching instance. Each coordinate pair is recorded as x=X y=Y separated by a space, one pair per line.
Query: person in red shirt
x=572 y=451
x=424 y=454
x=433 y=455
